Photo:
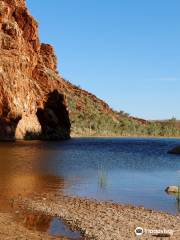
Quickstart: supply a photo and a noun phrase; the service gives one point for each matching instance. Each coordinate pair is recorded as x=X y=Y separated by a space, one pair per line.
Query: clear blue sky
x=127 y=52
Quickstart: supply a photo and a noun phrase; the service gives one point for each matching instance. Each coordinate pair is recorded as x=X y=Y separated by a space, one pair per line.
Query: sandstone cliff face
x=35 y=101
x=31 y=100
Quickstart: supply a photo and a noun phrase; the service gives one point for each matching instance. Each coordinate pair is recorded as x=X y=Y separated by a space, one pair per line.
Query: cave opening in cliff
x=54 y=117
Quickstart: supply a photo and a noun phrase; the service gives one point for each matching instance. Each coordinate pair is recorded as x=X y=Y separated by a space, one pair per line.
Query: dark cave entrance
x=54 y=117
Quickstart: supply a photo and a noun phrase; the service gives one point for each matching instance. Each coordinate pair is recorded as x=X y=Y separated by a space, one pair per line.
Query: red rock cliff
x=31 y=100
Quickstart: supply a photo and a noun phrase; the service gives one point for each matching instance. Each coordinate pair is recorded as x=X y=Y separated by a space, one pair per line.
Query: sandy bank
x=105 y=220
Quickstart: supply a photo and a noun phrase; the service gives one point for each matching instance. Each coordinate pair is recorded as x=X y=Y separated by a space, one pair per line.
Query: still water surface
x=125 y=170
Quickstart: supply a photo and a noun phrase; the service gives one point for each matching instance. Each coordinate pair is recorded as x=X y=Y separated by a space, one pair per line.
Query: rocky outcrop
x=32 y=104
x=172 y=189
x=175 y=150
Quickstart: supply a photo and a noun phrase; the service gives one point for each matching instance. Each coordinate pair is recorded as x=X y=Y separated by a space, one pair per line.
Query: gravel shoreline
x=100 y=220
x=11 y=230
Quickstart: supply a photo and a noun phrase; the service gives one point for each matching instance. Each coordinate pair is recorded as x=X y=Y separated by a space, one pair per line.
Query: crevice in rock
x=8 y=123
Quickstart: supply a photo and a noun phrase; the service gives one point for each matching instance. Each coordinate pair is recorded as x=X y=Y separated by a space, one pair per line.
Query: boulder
x=175 y=150
x=172 y=189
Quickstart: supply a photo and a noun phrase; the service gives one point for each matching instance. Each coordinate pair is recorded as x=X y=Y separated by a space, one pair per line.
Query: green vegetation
x=102 y=177
x=90 y=116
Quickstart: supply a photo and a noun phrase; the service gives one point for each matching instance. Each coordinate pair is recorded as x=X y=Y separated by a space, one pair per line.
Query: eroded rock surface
x=28 y=77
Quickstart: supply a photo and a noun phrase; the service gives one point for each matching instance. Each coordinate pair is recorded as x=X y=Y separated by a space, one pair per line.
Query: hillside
x=90 y=116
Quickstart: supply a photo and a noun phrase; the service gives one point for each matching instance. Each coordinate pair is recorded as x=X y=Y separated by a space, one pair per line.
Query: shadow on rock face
x=51 y=122
x=8 y=123
x=54 y=118
x=8 y=128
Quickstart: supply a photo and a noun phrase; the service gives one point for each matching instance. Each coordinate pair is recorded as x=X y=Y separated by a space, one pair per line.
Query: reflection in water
x=21 y=172
x=44 y=223
x=134 y=171
x=25 y=185
x=177 y=197
x=58 y=228
x=35 y=221
x=102 y=178
x=178 y=203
